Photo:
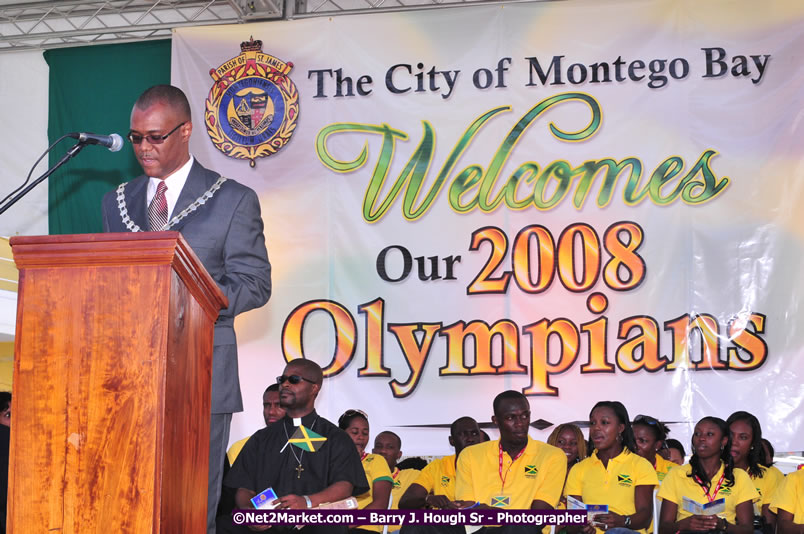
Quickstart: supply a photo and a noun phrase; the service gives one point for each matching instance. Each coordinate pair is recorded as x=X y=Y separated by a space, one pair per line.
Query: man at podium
x=221 y=221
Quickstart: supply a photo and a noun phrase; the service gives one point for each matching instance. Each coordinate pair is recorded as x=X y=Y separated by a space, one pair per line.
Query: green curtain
x=92 y=89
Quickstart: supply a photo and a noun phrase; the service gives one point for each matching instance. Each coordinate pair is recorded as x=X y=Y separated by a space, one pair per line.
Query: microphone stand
x=71 y=152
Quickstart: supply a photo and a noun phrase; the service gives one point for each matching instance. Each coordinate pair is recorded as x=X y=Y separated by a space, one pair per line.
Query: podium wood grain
x=111 y=385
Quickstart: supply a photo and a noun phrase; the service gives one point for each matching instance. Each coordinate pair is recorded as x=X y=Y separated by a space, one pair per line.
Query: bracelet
x=308 y=501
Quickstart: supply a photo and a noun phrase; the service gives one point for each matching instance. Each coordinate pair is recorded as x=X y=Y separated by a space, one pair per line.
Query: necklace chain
x=200 y=201
x=299 y=457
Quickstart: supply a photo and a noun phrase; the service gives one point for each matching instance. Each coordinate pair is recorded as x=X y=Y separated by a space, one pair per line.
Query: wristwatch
x=627 y=521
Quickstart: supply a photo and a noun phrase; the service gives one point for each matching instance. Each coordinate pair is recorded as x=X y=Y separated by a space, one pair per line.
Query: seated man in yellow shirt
x=514 y=472
x=435 y=486
x=271 y=412
x=389 y=445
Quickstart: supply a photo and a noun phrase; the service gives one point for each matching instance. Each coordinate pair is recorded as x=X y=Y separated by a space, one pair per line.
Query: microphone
x=113 y=142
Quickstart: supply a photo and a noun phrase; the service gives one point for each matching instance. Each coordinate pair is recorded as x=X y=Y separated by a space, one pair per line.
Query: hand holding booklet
x=715 y=507
x=592 y=510
x=265 y=499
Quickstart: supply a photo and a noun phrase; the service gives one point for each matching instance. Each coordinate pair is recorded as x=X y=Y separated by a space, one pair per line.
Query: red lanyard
x=709 y=497
x=363 y=456
x=395 y=473
x=509 y=467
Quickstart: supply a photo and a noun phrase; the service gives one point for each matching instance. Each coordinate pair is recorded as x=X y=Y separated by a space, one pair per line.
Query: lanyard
x=395 y=473
x=712 y=497
x=363 y=456
x=509 y=467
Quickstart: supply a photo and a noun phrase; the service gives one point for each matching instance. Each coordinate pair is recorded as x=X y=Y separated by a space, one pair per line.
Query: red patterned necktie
x=158 y=210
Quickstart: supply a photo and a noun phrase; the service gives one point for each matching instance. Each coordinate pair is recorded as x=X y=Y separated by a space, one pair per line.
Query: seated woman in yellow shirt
x=673 y=451
x=356 y=425
x=650 y=434
x=614 y=474
x=569 y=438
x=748 y=454
x=709 y=476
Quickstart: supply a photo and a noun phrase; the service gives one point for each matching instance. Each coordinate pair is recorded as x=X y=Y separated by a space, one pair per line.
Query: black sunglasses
x=646 y=419
x=154 y=139
x=293 y=379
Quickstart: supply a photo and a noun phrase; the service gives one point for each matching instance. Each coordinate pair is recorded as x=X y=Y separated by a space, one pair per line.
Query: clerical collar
x=306 y=420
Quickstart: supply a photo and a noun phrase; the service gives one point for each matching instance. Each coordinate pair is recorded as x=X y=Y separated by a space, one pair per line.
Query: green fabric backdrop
x=92 y=89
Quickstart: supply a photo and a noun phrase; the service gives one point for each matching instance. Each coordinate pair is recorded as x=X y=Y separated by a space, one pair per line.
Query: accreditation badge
x=503 y=500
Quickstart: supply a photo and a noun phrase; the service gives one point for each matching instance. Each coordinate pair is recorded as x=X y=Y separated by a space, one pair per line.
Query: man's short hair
x=458 y=421
x=398 y=439
x=165 y=94
x=507 y=395
x=273 y=387
x=310 y=368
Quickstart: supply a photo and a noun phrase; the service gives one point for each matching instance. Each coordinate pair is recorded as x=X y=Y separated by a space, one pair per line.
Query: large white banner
x=581 y=201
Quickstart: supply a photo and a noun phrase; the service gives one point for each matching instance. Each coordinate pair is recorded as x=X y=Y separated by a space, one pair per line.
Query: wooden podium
x=111 y=401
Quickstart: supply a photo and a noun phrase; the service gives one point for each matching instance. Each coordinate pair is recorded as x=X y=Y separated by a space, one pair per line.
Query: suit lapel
x=197 y=183
x=137 y=202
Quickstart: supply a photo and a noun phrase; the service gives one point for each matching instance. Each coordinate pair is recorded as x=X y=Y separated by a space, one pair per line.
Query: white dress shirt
x=174 y=183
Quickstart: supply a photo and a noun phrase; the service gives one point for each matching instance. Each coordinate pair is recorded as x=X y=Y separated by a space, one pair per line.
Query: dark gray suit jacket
x=227 y=235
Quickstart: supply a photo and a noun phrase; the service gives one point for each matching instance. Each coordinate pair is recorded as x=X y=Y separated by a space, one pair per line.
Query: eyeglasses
x=154 y=139
x=293 y=379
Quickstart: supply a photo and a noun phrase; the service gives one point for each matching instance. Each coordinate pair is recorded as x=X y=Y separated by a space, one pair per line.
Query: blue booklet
x=718 y=506
x=264 y=499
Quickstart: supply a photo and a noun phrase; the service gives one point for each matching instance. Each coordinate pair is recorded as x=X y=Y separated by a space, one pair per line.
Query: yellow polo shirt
x=789 y=496
x=376 y=469
x=663 y=467
x=614 y=484
x=678 y=484
x=766 y=486
x=438 y=478
x=402 y=481
x=537 y=474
